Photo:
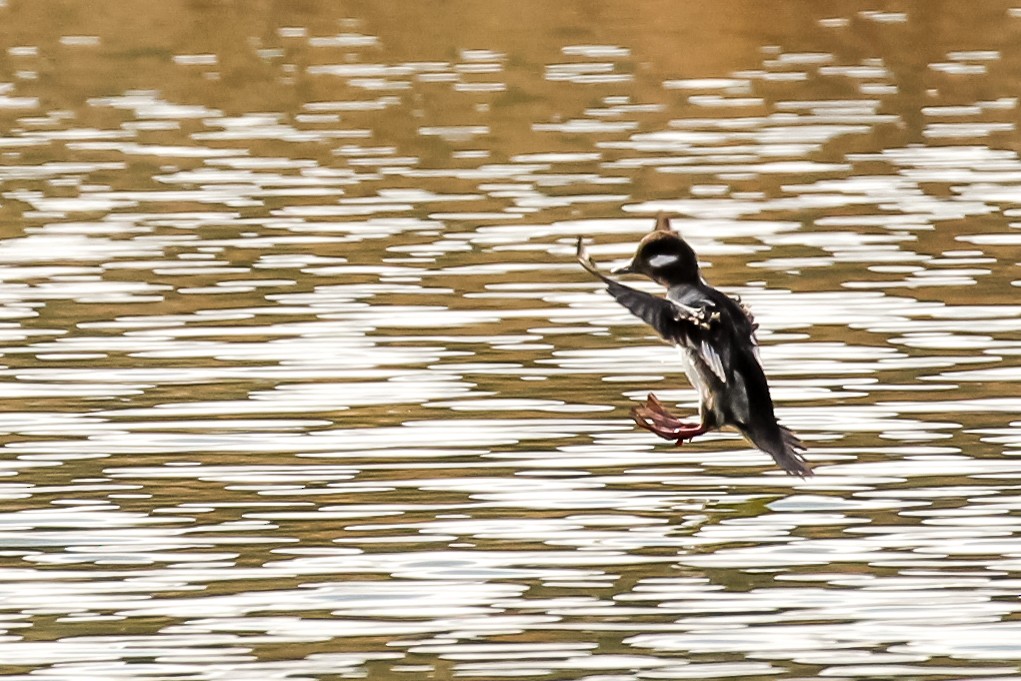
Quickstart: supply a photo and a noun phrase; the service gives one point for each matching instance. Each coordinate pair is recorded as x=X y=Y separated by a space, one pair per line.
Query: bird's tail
x=785 y=448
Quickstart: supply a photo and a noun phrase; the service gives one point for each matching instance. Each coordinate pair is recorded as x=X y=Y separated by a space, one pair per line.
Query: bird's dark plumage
x=716 y=336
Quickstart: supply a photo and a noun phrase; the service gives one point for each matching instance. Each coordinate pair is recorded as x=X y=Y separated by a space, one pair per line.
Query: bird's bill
x=626 y=269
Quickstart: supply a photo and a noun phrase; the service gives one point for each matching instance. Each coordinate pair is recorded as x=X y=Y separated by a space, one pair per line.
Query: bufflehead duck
x=716 y=336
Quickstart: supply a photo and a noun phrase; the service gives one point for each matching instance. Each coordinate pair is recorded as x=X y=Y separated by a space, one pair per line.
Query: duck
x=716 y=336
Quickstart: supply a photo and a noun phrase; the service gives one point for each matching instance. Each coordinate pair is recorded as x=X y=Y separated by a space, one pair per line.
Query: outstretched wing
x=675 y=322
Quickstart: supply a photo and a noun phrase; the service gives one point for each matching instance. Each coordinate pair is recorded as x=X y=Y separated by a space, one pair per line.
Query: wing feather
x=712 y=360
x=673 y=321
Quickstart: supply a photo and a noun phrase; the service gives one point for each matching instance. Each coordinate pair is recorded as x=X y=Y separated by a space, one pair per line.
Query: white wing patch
x=702 y=350
x=712 y=360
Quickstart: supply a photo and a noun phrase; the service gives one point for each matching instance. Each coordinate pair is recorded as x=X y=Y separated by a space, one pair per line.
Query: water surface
x=301 y=379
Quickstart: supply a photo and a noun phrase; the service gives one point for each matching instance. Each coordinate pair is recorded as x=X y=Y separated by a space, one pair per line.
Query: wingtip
x=581 y=254
x=662 y=222
x=585 y=260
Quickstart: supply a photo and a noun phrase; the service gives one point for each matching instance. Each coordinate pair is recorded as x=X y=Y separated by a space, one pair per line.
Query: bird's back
x=743 y=400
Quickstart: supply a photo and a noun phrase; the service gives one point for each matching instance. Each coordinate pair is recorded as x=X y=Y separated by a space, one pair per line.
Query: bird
x=716 y=336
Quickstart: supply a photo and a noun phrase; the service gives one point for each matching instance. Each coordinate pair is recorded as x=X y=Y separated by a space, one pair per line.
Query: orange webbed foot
x=654 y=417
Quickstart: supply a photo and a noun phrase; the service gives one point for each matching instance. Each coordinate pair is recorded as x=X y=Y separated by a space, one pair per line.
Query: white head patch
x=662 y=260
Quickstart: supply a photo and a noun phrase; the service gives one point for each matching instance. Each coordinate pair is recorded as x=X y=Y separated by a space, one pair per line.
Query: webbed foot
x=654 y=417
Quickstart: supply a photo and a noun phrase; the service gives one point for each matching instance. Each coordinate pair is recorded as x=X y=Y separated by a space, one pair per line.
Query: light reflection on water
x=302 y=379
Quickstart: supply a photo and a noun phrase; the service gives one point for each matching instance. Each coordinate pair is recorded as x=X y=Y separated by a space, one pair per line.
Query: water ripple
x=303 y=380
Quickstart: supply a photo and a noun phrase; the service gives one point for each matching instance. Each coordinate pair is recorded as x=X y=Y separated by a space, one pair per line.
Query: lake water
x=301 y=379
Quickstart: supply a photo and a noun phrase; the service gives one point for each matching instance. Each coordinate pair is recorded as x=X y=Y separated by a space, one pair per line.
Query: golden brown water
x=302 y=381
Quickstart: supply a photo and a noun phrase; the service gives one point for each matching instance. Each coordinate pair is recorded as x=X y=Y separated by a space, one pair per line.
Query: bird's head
x=664 y=257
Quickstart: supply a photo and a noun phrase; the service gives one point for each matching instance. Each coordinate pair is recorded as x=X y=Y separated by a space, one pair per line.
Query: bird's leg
x=654 y=417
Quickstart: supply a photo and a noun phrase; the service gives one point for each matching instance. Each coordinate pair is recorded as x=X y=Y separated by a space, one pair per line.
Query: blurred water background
x=301 y=381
